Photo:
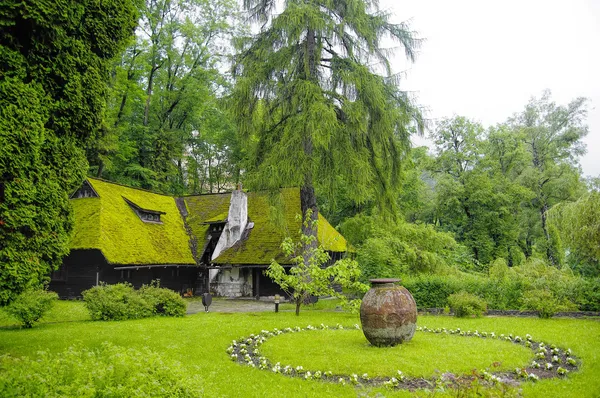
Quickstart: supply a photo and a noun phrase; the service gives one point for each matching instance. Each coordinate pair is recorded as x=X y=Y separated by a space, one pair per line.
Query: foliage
x=552 y=135
x=121 y=301
x=164 y=302
x=107 y=370
x=388 y=249
x=466 y=304
x=579 y=226
x=544 y=302
x=166 y=126
x=53 y=75
x=115 y=302
x=311 y=109
x=311 y=275
x=505 y=289
x=31 y=305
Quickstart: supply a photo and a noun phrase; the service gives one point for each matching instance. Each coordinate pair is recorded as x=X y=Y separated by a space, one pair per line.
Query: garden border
x=246 y=352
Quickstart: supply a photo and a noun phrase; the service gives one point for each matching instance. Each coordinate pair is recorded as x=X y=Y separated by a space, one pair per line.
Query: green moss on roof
x=204 y=208
x=108 y=223
x=264 y=240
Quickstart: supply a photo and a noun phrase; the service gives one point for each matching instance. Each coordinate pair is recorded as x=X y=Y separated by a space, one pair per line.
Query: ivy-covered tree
x=54 y=59
x=312 y=107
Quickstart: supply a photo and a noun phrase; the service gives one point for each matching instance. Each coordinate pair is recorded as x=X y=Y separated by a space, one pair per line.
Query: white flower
x=562 y=371
x=318 y=374
x=365 y=376
x=342 y=381
x=533 y=377
x=535 y=365
x=549 y=366
x=571 y=361
x=307 y=375
x=356 y=326
x=556 y=359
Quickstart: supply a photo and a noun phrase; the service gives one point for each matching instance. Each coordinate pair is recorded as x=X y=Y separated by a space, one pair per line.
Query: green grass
x=199 y=343
x=347 y=352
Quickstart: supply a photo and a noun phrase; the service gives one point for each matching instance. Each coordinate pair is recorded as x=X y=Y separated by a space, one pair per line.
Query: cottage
x=214 y=242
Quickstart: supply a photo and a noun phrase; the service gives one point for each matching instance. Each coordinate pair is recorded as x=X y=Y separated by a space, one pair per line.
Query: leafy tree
x=552 y=135
x=53 y=74
x=311 y=108
x=473 y=200
x=313 y=277
x=165 y=116
x=386 y=249
x=579 y=226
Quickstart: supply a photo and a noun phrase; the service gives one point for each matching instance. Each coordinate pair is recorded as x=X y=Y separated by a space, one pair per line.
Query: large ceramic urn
x=388 y=313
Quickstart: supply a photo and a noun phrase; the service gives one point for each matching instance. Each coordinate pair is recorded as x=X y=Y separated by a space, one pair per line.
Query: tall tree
x=164 y=93
x=552 y=135
x=309 y=99
x=53 y=73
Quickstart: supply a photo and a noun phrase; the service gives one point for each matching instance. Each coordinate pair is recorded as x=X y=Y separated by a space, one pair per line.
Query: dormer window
x=217 y=227
x=85 y=191
x=146 y=215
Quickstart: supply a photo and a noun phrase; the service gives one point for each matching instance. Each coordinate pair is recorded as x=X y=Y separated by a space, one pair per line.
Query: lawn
x=199 y=342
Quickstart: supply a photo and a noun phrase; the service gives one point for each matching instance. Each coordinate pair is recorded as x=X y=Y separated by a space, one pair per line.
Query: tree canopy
x=313 y=110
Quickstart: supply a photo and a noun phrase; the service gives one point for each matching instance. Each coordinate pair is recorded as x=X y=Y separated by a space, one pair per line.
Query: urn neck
x=384 y=282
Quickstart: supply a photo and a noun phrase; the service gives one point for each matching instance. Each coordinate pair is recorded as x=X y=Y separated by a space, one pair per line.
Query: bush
x=29 y=306
x=121 y=301
x=116 y=302
x=164 y=302
x=545 y=303
x=466 y=304
x=108 y=371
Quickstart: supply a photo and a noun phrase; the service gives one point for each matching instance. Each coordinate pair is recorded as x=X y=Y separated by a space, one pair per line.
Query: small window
x=85 y=191
x=152 y=216
x=125 y=274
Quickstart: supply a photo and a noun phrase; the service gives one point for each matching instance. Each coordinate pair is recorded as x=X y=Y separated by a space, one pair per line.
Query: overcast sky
x=486 y=59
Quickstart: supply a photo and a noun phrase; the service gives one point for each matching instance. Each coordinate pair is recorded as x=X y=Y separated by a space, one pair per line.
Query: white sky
x=485 y=59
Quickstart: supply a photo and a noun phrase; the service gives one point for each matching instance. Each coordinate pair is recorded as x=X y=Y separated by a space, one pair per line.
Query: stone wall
x=234 y=282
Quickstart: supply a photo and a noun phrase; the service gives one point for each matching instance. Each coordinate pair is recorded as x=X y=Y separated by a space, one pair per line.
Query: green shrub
x=116 y=302
x=108 y=371
x=29 y=306
x=430 y=291
x=164 y=302
x=466 y=304
x=545 y=303
x=121 y=301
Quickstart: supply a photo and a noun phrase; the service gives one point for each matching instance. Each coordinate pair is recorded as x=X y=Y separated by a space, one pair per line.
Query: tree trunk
x=549 y=249
x=298 y=303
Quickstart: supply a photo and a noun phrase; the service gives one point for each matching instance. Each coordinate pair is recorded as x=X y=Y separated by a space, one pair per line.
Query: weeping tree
x=317 y=102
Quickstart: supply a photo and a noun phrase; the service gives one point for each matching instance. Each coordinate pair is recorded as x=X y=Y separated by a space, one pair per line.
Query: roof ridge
x=129 y=186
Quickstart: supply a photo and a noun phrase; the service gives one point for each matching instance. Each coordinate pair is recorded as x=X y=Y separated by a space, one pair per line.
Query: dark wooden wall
x=262 y=285
x=79 y=271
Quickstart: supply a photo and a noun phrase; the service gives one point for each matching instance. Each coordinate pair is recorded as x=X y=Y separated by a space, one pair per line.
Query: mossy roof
x=109 y=224
x=263 y=242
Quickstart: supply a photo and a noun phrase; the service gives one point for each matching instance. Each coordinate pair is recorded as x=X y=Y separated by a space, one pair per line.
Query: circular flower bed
x=550 y=361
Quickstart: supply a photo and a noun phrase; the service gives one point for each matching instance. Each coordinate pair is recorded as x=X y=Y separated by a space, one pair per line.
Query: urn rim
x=379 y=281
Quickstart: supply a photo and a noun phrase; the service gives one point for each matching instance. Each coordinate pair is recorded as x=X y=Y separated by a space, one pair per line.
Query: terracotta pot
x=388 y=313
